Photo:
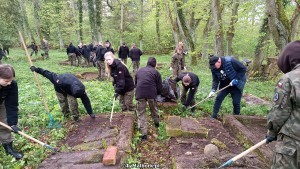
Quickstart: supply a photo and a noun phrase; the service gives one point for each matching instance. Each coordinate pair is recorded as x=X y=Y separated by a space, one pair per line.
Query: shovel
x=29 y=137
x=229 y=162
x=112 y=110
x=207 y=98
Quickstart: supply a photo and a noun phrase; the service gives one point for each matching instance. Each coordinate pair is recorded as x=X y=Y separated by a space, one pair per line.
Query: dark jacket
x=123 y=81
x=68 y=84
x=33 y=46
x=99 y=54
x=148 y=82
x=86 y=52
x=71 y=49
x=230 y=69
x=192 y=86
x=123 y=52
x=135 y=54
x=91 y=46
x=109 y=49
x=79 y=51
x=9 y=95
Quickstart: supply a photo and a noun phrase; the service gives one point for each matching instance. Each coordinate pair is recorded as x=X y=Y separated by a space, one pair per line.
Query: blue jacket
x=230 y=69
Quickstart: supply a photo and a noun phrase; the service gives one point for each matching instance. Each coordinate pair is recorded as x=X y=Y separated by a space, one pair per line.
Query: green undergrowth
x=33 y=118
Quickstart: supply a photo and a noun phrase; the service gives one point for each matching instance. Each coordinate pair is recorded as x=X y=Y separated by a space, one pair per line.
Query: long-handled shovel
x=29 y=137
x=207 y=98
x=52 y=124
x=229 y=162
x=112 y=110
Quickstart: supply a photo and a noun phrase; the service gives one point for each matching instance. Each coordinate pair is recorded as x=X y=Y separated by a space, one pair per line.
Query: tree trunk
x=219 y=35
x=121 y=23
x=72 y=3
x=295 y=20
x=142 y=24
x=92 y=20
x=205 y=37
x=259 y=55
x=230 y=31
x=80 y=19
x=99 y=19
x=173 y=24
x=37 y=20
x=278 y=23
x=186 y=32
x=25 y=21
x=61 y=42
x=157 y=11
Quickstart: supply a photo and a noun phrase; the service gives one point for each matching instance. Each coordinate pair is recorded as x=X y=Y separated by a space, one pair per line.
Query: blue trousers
x=236 y=96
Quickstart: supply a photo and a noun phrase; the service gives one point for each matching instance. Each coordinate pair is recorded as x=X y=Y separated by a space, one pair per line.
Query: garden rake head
x=52 y=123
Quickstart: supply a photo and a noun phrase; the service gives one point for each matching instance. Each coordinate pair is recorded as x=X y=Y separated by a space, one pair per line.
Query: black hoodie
x=148 y=81
x=289 y=57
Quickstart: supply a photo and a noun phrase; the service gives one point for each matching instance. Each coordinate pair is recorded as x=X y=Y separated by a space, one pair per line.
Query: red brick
x=110 y=156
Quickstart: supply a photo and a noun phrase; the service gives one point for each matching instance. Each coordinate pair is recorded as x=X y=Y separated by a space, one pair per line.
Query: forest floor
x=86 y=142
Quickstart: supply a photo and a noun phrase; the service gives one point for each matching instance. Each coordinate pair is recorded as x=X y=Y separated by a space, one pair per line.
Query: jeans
x=236 y=96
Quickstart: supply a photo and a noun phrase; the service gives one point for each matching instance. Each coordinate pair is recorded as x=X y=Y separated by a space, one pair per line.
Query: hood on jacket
x=289 y=57
x=151 y=62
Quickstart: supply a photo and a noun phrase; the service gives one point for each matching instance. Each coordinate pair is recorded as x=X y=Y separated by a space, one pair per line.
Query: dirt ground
x=90 y=137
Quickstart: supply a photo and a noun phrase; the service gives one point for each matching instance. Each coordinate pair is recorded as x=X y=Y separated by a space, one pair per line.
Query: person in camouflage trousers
x=68 y=88
x=284 y=118
x=177 y=62
x=148 y=86
x=71 y=52
x=45 y=48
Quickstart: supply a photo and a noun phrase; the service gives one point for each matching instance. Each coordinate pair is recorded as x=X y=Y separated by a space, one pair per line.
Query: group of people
x=228 y=77
x=94 y=55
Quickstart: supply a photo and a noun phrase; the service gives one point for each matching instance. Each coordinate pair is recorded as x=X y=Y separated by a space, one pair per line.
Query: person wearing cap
x=122 y=81
x=123 y=53
x=135 y=55
x=190 y=83
x=283 y=121
x=148 y=86
x=107 y=48
x=227 y=71
x=68 y=88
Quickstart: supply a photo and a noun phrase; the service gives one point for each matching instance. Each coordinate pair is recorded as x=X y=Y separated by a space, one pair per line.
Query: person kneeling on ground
x=123 y=82
x=8 y=108
x=190 y=81
x=68 y=88
x=148 y=86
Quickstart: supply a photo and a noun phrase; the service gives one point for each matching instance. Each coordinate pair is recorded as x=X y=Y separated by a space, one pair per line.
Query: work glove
x=212 y=94
x=184 y=68
x=171 y=68
x=185 y=52
x=92 y=116
x=270 y=139
x=15 y=128
x=234 y=82
x=32 y=68
x=116 y=95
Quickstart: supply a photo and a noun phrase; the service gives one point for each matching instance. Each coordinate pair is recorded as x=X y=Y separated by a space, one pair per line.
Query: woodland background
x=253 y=29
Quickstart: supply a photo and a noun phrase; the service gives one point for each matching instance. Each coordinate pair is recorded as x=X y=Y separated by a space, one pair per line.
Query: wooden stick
x=229 y=162
x=35 y=74
x=27 y=136
x=112 y=110
x=207 y=98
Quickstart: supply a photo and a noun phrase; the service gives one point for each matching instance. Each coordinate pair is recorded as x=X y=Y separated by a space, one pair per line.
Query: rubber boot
x=10 y=151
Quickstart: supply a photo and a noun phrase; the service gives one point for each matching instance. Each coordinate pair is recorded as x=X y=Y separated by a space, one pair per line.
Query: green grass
x=34 y=120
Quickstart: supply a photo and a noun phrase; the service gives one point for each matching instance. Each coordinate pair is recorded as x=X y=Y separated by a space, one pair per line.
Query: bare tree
x=142 y=23
x=172 y=22
x=37 y=20
x=230 y=31
x=157 y=15
x=98 y=16
x=219 y=35
x=79 y=2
